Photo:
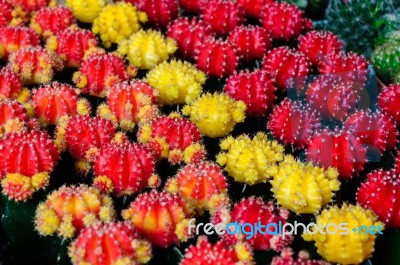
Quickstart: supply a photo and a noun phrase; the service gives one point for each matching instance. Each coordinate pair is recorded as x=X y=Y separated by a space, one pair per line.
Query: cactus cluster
x=50 y=20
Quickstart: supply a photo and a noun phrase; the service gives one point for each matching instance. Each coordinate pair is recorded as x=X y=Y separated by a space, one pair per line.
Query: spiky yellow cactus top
x=117 y=22
x=250 y=160
x=86 y=11
x=177 y=82
x=303 y=188
x=351 y=247
x=146 y=49
x=215 y=114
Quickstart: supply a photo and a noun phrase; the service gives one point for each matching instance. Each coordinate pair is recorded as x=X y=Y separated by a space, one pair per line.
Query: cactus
x=354 y=247
x=31 y=6
x=157 y=48
x=253 y=8
x=86 y=11
x=117 y=22
x=215 y=114
x=11 y=86
x=19 y=178
x=14 y=117
x=69 y=209
x=50 y=20
x=303 y=258
x=13 y=39
x=192 y=6
x=250 y=160
x=304 y=188
x=387 y=101
x=145 y=213
x=385 y=58
x=177 y=82
x=124 y=169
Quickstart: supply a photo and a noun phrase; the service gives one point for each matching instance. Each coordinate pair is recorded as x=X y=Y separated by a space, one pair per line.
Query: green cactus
x=386 y=60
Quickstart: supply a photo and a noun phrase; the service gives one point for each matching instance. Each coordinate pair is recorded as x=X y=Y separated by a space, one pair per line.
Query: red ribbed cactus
x=72 y=44
x=99 y=72
x=159 y=12
x=373 y=128
x=13 y=117
x=251 y=42
x=189 y=34
x=173 y=137
x=13 y=39
x=51 y=20
x=204 y=252
x=316 y=45
x=303 y=258
x=192 y=6
x=161 y=217
x=35 y=65
x=30 y=6
x=256 y=89
x=26 y=161
x=6 y=12
x=83 y=136
x=222 y=15
x=350 y=67
x=55 y=100
x=201 y=185
x=339 y=149
x=380 y=193
x=217 y=58
x=294 y=123
x=69 y=209
x=130 y=102
x=124 y=169
x=11 y=86
x=109 y=244
x=254 y=211
x=253 y=8
x=286 y=65
x=388 y=102
x=283 y=21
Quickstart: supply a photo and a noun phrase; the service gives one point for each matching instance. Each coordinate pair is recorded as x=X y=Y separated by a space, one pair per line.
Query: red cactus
x=192 y=6
x=294 y=123
x=332 y=97
x=253 y=8
x=373 y=128
x=397 y=162
x=71 y=44
x=350 y=67
x=254 y=211
x=251 y=42
x=160 y=12
x=13 y=39
x=10 y=84
x=124 y=168
x=202 y=185
x=26 y=161
x=381 y=194
x=173 y=137
x=35 y=65
x=50 y=20
x=222 y=15
x=283 y=21
x=189 y=34
x=31 y=5
x=204 y=252
x=55 y=100
x=217 y=58
x=160 y=217
x=284 y=65
x=341 y=150
x=388 y=102
x=130 y=102
x=13 y=117
x=316 y=45
x=99 y=72
x=6 y=12
x=303 y=258
x=256 y=89
x=111 y=243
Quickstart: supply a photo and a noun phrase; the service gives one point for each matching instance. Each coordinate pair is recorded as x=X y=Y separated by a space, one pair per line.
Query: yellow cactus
x=177 y=82
x=345 y=247
x=250 y=161
x=146 y=49
x=117 y=22
x=86 y=11
x=303 y=188
x=215 y=114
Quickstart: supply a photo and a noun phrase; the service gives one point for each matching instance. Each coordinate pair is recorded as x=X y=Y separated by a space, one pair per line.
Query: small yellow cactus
x=86 y=11
x=177 y=82
x=304 y=188
x=354 y=240
x=117 y=22
x=215 y=114
x=250 y=161
x=146 y=49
